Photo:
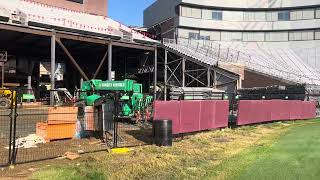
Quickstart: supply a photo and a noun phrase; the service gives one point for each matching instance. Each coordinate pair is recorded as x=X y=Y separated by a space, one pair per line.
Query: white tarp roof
x=55 y=16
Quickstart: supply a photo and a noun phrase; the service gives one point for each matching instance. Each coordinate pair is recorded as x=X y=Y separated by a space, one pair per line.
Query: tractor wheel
x=4 y=102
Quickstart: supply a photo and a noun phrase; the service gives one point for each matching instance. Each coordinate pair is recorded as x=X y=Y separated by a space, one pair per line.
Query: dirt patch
x=222 y=139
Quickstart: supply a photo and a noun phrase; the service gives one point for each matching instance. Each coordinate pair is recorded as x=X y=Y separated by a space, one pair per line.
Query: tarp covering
x=193 y=116
x=257 y=111
x=26 y=11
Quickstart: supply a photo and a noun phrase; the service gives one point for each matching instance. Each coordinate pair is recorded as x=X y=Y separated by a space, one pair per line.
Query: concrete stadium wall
x=253 y=3
x=159 y=11
x=247 y=25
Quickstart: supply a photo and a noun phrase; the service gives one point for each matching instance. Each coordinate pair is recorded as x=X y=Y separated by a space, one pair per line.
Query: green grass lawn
x=287 y=150
x=296 y=155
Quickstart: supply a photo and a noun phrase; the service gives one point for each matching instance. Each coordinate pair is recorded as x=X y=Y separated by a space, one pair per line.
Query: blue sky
x=128 y=12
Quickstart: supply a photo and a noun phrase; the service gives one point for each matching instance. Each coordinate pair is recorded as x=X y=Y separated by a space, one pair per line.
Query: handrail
x=228 y=55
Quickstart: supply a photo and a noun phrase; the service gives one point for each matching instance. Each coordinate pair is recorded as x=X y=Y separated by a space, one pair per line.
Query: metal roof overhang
x=77 y=36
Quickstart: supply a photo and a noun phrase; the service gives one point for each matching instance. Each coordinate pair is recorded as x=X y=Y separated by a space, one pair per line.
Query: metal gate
x=37 y=131
x=6 y=126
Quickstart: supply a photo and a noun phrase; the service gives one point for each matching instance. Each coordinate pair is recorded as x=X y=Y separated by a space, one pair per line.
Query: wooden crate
x=89 y=118
x=56 y=131
x=61 y=115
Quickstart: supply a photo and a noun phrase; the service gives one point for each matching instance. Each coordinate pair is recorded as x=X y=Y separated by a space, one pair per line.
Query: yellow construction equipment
x=6 y=97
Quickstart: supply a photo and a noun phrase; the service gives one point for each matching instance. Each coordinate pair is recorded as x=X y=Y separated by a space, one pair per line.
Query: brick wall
x=98 y=7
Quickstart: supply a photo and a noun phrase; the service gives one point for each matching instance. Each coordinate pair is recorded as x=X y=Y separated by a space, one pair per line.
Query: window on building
x=77 y=1
x=231 y=36
x=317 y=35
x=308 y=14
x=193 y=35
x=206 y=14
x=217 y=15
x=204 y=37
x=276 y=36
x=184 y=33
x=283 y=16
x=272 y=16
x=212 y=35
x=253 y=36
x=318 y=13
x=233 y=15
x=295 y=15
x=191 y=12
x=301 y=35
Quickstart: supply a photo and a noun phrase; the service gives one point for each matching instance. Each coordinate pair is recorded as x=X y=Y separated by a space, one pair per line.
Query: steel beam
x=77 y=37
x=172 y=73
x=53 y=66
x=155 y=73
x=100 y=65
x=25 y=30
x=165 y=73
x=109 y=61
x=208 y=77
x=196 y=78
x=183 y=72
x=215 y=78
x=2 y=75
x=73 y=61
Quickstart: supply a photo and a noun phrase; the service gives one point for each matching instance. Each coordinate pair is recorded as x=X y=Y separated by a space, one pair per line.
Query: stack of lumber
x=195 y=93
x=61 y=124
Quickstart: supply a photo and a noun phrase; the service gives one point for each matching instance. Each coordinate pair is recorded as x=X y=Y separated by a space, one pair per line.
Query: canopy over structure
x=33 y=14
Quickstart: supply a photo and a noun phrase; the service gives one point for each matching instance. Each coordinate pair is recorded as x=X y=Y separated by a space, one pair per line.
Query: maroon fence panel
x=244 y=113
x=257 y=111
x=308 y=110
x=168 y=110
x=221 y=114
x=207 y=116
x=190 y=116
x=295 y=109
x=193 y=116
x=279 y=110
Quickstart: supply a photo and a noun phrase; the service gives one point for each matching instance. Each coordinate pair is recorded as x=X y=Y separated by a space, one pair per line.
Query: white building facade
x=293 y=24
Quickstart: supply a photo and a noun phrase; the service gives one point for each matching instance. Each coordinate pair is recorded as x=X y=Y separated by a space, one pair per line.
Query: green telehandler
x=134 y=105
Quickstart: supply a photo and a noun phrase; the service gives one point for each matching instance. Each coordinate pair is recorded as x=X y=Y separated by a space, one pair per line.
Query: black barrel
x=162 y=129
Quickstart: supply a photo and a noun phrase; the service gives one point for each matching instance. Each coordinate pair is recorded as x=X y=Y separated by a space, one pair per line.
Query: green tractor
x=134 y=104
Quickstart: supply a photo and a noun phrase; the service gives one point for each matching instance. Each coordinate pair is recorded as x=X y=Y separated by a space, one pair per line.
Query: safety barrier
x=193 y=116
x=257 y=111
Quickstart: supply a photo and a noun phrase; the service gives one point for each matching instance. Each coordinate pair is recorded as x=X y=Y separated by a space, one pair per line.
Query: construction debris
x=71 y=155
x=30 y=141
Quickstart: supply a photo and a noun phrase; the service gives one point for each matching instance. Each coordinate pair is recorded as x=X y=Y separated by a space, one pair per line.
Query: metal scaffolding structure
x=184 y=71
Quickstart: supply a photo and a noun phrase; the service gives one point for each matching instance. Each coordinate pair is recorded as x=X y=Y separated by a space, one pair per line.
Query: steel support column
x=2 y=75
x=155 y=73
x=165 y=74
x=109 y=61
x=215 y=78
x=183 y=72
x=53 y=66
x=208 y=77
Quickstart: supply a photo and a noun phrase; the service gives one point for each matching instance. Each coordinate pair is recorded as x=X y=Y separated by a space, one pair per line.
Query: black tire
x=4 y=102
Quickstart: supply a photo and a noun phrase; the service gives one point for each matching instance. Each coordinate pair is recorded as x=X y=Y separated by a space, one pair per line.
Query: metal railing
x=229 y=55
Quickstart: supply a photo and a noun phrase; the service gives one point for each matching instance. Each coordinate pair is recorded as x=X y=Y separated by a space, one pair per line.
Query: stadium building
x=267 y=42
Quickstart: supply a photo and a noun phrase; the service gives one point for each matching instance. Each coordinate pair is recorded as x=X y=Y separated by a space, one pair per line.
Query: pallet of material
x=61 y=124
x=52 y=132
x=60 y=115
